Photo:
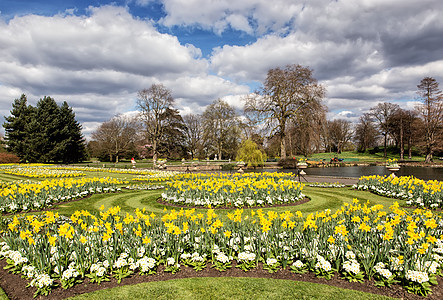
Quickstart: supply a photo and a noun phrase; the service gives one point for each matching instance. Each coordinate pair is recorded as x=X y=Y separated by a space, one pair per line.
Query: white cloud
x=251 y=16
x=363 y=52
x=98 y=62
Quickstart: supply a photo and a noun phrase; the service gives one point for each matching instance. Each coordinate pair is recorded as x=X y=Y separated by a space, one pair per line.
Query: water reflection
x=357 y=171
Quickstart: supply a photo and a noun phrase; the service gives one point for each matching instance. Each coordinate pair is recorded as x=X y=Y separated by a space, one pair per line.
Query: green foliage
x=45 y=133
x=228 y=167
x=250 y=154
x=15 y=124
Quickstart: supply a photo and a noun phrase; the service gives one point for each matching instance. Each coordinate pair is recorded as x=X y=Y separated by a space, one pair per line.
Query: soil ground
x=15 y=286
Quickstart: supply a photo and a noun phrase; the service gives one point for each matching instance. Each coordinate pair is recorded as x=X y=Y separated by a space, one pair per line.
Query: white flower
x=101 y=271
x=298 y=264
x=221 y=257
x=351 y=266
x=417 y=276
x=170 y=261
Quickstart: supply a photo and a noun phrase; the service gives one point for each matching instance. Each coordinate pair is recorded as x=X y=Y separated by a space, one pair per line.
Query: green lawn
x=227 y=288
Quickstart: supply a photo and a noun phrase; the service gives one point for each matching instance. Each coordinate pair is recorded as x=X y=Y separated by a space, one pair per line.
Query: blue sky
x=96 y=55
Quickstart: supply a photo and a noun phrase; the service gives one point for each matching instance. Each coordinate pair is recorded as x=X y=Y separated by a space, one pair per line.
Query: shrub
x=288 y=163
x=7 y=158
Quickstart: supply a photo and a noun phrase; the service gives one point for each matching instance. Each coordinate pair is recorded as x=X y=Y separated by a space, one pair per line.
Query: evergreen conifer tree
x=15 y=127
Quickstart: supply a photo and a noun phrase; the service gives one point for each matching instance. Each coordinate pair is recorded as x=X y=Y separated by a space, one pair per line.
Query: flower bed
x=233 y=190
x=157 y=176
x=415 y=191
x=23 y=196
x=357 y=241
x=39 y=172
x=148 y=172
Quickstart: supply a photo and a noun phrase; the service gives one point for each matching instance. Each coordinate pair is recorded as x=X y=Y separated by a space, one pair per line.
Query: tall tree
x=340 y=132
x=47 y=116
x=431 y=111
x=304 y=132
x=173 y=142
x=382 y=114
x=220 y=129
x=45 y=133
x=153 y=103
x=284 y=93
x=194 y=133
x=365 y=132
x=115 y=137
x=71 y=143
x=15 y=127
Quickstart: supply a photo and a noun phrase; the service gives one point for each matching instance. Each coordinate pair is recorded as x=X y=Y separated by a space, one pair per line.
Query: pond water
x=357 y=171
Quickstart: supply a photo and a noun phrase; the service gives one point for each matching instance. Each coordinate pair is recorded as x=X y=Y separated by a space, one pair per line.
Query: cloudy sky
x=97 y=54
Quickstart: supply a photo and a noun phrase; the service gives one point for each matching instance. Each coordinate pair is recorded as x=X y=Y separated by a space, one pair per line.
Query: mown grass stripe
x=228 y=288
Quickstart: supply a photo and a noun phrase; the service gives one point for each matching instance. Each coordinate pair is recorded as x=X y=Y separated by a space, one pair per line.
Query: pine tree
x=48 y=114
x=15 y=127
x=45 y=133
x=71 y=143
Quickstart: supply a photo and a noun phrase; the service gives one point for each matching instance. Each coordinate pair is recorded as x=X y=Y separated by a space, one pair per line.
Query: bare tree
x=403 y=127
x=305 y=132
x=381 y=114
x=281 y=98
x=116 y=137
x=365 y=132
x=153 y=103
x=220 y=128
x=340 y=133
x=431 y=111
x=194 y=133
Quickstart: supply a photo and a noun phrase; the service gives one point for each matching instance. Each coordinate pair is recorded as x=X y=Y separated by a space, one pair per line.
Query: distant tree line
x=44 y=133
x=421 y=128
x=286 y=117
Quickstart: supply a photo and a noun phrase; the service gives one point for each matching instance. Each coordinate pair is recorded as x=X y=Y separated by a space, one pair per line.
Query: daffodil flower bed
x=23 y=196
x=233 y=190
x=158 y=176
x=357 y=241
x=142 y=172
x=41 y=172
x=415 y=191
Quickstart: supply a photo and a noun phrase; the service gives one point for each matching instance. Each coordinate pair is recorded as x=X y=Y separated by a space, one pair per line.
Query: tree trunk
x=428 y=158
x=402 y=144
x=282 y=138
x=154 y=150
x=290 y=146
x=282 y=147
x=385 y=142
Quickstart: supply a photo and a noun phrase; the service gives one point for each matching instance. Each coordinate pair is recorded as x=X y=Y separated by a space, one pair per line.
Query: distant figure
x=133 y=162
